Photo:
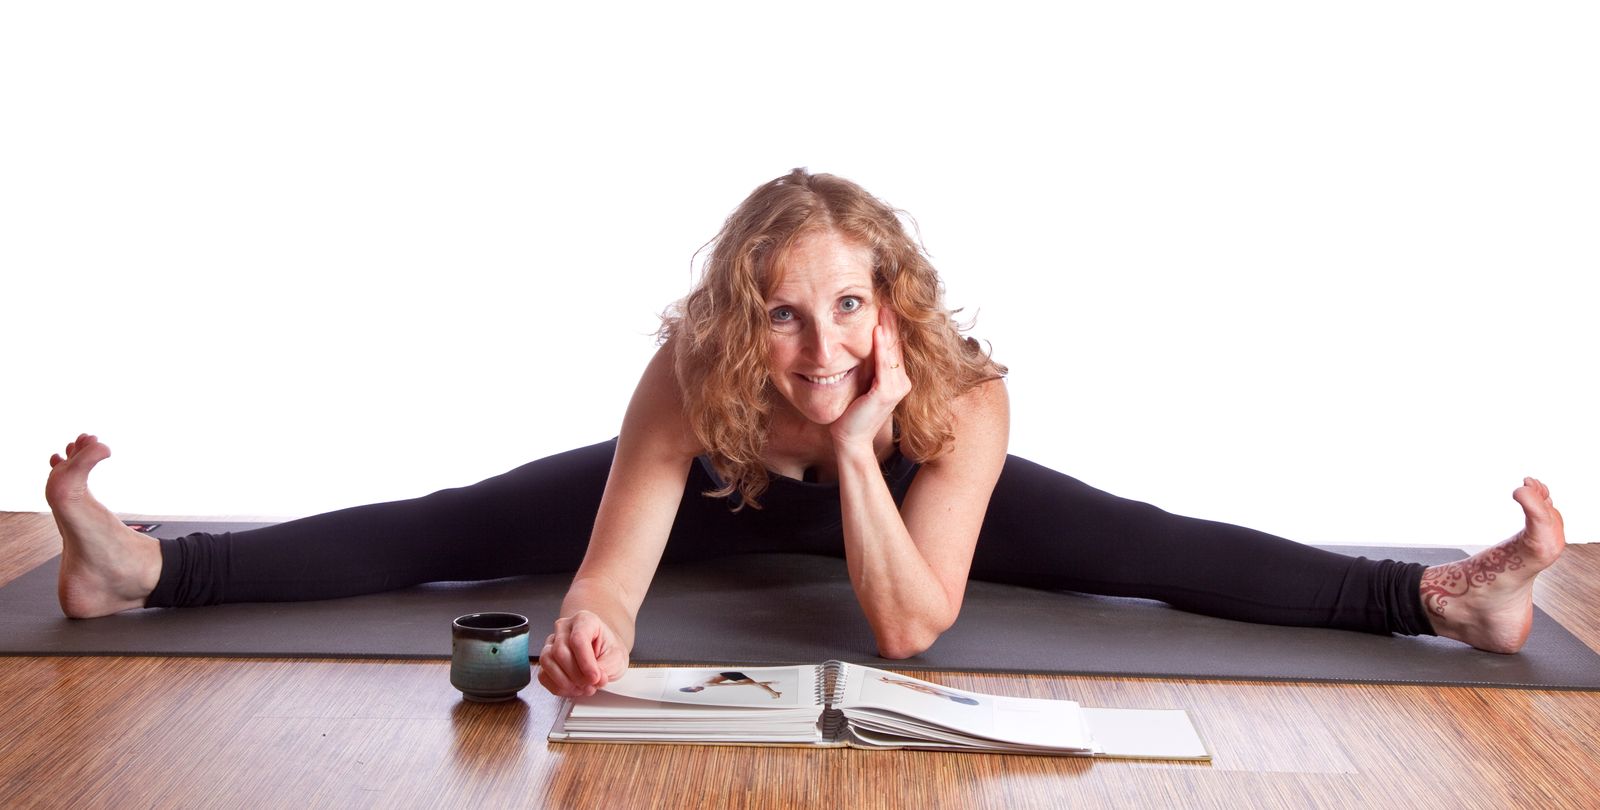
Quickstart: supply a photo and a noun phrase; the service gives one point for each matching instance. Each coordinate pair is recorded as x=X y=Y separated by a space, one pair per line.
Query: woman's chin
x=822 y=413
x=823 y=418
x=825 y=410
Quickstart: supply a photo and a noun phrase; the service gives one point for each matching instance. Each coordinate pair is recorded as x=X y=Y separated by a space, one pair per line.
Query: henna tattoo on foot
x=1441 y=583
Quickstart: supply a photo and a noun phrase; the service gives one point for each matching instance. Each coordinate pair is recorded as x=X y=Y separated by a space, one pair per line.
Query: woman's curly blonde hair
x=720 y=331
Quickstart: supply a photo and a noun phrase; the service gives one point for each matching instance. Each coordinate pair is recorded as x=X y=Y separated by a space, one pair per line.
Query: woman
x=811 y=394
x=734 y=679
x=930 y=689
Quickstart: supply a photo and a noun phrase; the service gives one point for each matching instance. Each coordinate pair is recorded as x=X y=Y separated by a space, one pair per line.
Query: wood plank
x=26 y=540
x=145 y=731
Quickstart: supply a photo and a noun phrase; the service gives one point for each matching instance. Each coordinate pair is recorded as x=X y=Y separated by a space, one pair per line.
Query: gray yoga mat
x=790 y=608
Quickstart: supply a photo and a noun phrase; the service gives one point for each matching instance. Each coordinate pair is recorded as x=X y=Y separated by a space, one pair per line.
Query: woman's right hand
x=582 y=655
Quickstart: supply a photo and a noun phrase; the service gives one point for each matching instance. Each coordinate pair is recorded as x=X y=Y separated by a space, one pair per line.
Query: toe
x=1534 y=496
x=1531 y=503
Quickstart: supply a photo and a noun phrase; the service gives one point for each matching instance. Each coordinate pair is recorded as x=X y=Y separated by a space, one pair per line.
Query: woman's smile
x=830 y=380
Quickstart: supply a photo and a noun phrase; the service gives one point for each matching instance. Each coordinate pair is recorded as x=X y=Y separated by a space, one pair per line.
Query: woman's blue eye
x=782 y=315
x=850 y=303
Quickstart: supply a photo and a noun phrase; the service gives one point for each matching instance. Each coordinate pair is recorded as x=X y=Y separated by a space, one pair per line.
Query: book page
x=605 y=716
x=1021 y=721
x=875 y=738
x=1146 y=734
x=760 y=687
x=611 y=705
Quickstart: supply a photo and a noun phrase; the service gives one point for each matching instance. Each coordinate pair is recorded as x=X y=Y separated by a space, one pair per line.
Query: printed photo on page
x=913 y=696
x=765 y=687
x=1025 y=721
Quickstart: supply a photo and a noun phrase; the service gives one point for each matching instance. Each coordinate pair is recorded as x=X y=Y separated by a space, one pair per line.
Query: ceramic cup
x=489 y=655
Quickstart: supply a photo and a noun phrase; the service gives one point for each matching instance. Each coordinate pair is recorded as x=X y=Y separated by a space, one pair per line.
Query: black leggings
x=1043 y=530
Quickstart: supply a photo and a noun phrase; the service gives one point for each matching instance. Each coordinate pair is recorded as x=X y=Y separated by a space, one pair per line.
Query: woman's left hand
x=865 y=418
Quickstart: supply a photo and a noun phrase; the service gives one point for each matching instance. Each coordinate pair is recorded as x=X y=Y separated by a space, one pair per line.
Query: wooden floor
x=199 y=732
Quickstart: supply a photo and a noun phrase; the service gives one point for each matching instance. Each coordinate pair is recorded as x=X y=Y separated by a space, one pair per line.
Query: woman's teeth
x=828 y=380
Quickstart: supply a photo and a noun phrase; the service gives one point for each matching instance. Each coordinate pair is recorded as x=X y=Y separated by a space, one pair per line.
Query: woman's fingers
x=552 y=678
x=587 y=640
x=614 y=661
x=581 y=656
x=891 y=328
x=547 y=662
x=557 y=660
x=892 y=381
x=558 y=666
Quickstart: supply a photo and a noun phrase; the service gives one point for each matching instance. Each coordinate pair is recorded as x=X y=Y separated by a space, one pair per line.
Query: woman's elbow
x=909 y=642
x=899 y=649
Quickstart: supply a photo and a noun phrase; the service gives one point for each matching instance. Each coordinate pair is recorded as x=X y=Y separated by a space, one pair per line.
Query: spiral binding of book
x=830 y=688
x=834 y=675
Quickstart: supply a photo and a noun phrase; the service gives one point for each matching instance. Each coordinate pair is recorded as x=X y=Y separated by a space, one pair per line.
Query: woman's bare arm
x=591 y=641
x=909 y=565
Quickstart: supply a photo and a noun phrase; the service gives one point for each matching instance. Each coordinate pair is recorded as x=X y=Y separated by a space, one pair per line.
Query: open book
x=840 y=704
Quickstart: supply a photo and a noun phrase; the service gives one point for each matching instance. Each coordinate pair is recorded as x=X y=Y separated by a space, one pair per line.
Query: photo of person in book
x=811 y=394
x=929 y=689
x=734 y=679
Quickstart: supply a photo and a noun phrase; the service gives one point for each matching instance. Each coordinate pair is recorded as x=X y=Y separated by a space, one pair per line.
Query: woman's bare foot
x=106 y=567
x=1486 y=600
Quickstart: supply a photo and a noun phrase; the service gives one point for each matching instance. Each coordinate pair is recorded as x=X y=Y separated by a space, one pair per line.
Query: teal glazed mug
x=489 y=656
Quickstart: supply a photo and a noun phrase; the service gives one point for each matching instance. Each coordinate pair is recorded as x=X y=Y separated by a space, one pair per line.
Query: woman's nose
x=824 y=343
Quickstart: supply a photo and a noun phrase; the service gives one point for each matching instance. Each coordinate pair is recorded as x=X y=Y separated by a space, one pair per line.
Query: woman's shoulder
x=980 y=423
x=657 y=408
x=986 y=400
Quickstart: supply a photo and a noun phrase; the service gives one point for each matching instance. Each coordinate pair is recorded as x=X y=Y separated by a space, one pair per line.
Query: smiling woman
x=798 y=278
x=816 y=346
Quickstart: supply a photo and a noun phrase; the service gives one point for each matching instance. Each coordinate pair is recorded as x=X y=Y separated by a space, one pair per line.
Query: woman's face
x=821 y=316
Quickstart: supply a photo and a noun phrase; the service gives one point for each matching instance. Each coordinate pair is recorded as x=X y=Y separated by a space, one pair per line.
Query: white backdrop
x=1318 y=269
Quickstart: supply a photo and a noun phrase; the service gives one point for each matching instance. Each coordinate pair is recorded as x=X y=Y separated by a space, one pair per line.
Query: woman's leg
x=1045 y=529
x=534 y=519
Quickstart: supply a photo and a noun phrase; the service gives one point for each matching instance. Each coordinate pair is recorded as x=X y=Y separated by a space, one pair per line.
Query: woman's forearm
x=903 y=600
